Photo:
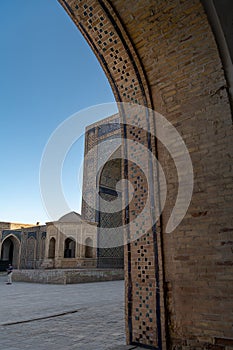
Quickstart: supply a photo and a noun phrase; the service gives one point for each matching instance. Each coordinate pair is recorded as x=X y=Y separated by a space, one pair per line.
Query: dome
x=71 y=217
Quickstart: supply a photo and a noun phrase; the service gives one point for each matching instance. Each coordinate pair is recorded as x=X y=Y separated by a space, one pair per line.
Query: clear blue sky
x=48 y=72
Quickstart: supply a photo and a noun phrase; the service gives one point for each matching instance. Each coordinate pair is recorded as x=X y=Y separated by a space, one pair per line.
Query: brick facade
x=163 y=54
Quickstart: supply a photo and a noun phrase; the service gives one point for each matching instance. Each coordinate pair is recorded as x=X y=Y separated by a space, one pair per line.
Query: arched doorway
x=69 y=248
x=11 y=250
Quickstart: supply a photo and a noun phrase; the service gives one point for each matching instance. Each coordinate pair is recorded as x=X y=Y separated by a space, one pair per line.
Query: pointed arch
x=52 y=248
x=10 y=251
x=69 y=248
x=89 y=252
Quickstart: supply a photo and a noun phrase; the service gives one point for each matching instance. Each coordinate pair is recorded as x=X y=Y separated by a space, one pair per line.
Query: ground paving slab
x=86 y=316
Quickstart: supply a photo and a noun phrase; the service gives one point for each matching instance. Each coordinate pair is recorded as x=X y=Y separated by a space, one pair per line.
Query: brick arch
x=101 y=27
x=11 y=239
x=162 y=54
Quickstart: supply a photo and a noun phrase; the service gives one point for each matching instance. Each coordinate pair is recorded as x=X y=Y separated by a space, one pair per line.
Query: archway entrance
x=185 y=80
x=11 y=251
x=149 y=53
x=69 y=249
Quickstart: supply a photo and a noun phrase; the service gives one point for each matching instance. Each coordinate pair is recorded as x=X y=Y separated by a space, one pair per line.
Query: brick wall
x=180 y=57
x=163 y=54
x=67 y=276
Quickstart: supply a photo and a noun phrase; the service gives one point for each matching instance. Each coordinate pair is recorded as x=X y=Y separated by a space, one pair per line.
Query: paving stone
x=97 y=324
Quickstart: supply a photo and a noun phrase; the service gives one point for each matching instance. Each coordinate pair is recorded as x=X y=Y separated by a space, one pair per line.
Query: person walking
x=9 y=274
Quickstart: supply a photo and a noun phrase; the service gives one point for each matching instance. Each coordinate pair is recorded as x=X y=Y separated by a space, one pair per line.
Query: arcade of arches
x=173 y=56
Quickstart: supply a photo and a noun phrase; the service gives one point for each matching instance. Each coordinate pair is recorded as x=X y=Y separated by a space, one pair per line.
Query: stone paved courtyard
x=52 y=317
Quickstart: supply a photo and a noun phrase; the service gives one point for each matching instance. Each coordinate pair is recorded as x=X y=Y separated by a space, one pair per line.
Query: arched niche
x=52 y=247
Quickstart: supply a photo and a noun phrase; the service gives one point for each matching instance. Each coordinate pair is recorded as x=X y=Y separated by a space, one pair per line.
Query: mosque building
x=74 y=241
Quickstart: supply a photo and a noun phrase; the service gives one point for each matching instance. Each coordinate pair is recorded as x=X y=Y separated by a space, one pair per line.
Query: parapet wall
x=67 y=276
